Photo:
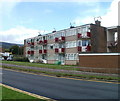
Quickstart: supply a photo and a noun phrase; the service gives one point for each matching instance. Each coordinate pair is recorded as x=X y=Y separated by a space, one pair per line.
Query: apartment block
x=65 y=45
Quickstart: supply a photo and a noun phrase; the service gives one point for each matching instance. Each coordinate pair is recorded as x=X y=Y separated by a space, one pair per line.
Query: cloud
x=18 y=34
x=111 y=17
x=108 y=19
x=80 y=21
x=47 y=11
x=6 y=6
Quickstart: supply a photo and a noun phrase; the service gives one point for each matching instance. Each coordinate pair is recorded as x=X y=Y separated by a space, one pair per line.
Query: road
x=60 y=88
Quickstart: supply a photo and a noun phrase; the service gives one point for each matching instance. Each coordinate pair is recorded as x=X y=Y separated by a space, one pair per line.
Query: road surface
x=60 y=88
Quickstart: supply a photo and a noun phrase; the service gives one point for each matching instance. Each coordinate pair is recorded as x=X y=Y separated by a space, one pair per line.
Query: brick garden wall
x=100 y=63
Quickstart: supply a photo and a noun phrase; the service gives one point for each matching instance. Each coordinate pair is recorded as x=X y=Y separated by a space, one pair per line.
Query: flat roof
x=100 y=54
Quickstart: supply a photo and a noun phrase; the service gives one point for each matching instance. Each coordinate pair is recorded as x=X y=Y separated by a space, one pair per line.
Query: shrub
x=22 y=59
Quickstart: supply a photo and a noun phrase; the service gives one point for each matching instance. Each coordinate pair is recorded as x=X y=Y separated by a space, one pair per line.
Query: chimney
x=98 y=23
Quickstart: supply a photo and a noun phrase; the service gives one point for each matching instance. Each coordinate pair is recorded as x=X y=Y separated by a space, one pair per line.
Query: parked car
x=2 y=58
x=9 y=59
x=44 y=61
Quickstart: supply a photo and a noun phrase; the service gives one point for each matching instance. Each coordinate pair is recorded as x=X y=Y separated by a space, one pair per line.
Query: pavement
x=61 y=88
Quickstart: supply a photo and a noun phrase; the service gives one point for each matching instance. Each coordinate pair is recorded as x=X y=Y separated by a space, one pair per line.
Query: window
x=56 y=56
x=51 y=37
x=41 y=47
x=85 y=42
x=79 y=43
x=67 y=33
x=79 y=30
x=74 y=43
x=51 y=46
x=68 y=56
x=32 y=40
x=88 y=28
x=56 y=45
x=71 y=56
x=66 y=44
x=62 y=33
x=71 y=44
x=75 y=56
x=61 y=45
x=83 y=29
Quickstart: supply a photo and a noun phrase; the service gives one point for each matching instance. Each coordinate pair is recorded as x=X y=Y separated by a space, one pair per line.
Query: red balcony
x=32 y=52
x=62 y=50
x=28 y=52
x=40 y=42
x=28 y=43
x=45 y=41
x=45 y=51
x=79 y=48
x=88 y=48
x=56 y=50
x=32 y=43
x=56 y=39
x=79 y=35
x=62 y=39
x=88 y=34
x=40 y=51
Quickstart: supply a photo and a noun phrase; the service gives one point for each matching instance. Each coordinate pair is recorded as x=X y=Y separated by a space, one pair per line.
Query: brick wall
x=100 y=63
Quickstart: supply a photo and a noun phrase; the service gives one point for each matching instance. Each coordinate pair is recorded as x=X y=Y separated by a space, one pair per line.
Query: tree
x=17 y=50
x=14 y=49
x=21 y=50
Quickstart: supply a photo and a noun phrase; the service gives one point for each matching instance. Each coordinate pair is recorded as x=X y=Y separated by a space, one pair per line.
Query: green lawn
x=53 y=66
x=11 y=94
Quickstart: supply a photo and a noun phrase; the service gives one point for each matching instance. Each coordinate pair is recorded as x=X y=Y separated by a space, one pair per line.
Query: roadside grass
x=52 y=66
x=0 y=92
x=9 y=94
x=59 y=74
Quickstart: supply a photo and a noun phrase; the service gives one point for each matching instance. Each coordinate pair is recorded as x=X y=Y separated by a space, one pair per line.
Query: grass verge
x=59 y=74
x=52 y=66
x=8 y=94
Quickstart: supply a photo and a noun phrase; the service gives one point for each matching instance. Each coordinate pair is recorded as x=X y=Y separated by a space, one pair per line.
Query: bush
x=22 y=59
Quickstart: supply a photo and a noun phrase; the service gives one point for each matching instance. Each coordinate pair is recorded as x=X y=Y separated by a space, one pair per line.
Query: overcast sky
x=21 y=20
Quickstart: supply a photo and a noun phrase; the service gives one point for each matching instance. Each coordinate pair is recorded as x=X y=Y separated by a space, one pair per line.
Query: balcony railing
x=32 y=43
x=111 y=43
x=45 y=41
x=79 y=35
x=62 y=50
x=88 y=48
x=79 y=48
x=61 y=39
x=40 y=51
x=56 y=50
x=45 y=51
x=40 y=42
x=30 y=52
x=56 y=39
x=88 y=34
